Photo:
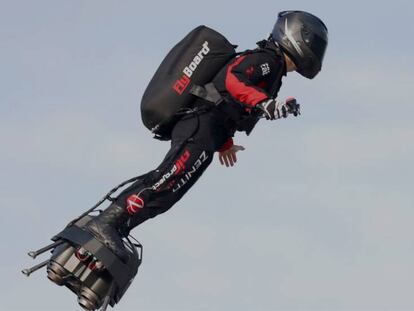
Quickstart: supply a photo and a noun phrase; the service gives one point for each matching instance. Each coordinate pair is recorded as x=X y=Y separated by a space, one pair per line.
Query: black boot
x=108 y=226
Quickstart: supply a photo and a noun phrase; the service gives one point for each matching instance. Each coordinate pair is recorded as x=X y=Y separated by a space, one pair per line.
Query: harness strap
x=207 y=92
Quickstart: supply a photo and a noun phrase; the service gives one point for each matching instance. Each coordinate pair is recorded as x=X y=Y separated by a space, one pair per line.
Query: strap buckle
x=207 y=92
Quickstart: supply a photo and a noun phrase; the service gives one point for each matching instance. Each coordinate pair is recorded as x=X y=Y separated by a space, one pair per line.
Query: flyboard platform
x=88 y=267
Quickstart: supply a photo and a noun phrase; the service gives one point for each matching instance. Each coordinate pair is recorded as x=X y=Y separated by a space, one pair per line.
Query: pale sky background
x=317 y=215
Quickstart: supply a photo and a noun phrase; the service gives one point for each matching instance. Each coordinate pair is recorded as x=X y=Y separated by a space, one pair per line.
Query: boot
x=107 y=228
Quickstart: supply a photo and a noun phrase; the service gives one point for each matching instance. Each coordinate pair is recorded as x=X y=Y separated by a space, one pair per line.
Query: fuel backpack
x=182 y=76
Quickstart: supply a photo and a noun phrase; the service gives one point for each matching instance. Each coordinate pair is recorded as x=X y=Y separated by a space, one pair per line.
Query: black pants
x=195 y=138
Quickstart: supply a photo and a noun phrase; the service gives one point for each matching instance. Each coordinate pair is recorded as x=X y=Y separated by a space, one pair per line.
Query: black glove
x=273 y=109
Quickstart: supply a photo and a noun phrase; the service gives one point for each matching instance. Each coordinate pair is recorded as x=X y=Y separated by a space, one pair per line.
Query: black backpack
x=191 y=64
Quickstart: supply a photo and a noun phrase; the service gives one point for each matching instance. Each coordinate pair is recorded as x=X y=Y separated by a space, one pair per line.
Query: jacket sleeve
x=243 y=77
x=228 y=144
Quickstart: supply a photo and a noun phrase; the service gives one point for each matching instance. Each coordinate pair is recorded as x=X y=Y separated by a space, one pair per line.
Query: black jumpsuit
x=244 y=82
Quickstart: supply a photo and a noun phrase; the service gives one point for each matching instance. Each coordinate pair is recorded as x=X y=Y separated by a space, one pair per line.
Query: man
x=249 y=85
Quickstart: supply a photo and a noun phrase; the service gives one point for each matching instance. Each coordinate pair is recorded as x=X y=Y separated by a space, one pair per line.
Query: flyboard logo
x=181 y=84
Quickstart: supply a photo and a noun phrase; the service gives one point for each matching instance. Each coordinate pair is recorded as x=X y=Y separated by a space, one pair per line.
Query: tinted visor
x=315 y=41
x=318 y=47
x=315 y=52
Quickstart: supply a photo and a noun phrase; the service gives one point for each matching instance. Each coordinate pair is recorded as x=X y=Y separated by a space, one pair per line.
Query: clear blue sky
x=317 y=214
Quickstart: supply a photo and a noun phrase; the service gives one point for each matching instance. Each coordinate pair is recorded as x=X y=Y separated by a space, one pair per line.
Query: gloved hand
x=274 y=109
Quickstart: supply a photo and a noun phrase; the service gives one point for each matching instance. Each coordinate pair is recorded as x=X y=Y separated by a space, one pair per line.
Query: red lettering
x=181 y=84
x=180 y=164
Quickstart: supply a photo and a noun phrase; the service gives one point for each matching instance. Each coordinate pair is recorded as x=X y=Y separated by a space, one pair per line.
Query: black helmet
x=303 y=37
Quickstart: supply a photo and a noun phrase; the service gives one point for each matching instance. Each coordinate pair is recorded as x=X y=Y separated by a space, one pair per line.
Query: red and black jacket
x=247 y=80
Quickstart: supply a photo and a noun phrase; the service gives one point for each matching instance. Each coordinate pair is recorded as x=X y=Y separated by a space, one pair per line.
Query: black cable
x=106 y=197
